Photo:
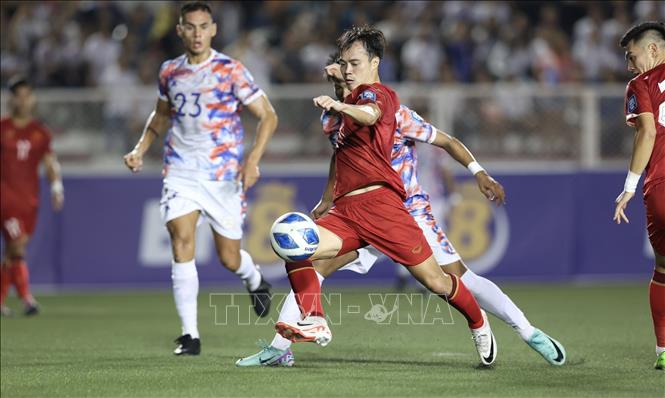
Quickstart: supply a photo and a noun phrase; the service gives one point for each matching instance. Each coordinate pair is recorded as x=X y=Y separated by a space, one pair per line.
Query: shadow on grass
x=320 y=361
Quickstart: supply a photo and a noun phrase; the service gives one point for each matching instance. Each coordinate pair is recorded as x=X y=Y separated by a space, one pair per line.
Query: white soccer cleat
x=485 y=343
x=312 y=328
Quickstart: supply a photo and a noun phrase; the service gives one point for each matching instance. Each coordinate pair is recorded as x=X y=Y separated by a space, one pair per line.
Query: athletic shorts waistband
x=383 y=190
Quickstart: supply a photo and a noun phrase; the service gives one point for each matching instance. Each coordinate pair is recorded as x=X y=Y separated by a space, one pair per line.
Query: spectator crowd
x=103 y=43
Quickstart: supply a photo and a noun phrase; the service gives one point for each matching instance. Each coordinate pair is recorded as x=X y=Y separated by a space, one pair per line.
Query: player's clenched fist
x=327 y=103
x=133 y=161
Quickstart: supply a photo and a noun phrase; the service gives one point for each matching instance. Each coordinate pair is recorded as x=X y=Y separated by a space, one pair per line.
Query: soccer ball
x=294 y=237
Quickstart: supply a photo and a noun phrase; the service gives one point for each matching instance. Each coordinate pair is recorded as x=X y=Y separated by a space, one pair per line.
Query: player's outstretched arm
x=326 y=202
x=263 y=110
x=55 y=179
x=157 y=124
x=365 y=115
x=458 y=151
x=645 y=137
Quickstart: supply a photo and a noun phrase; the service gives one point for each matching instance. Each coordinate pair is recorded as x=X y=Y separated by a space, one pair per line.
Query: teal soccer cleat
x=268 y=356
x=660 y=362
x=550 y=349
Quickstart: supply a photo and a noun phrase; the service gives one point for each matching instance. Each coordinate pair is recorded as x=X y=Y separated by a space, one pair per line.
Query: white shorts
x=443 y=250
x=221 y=203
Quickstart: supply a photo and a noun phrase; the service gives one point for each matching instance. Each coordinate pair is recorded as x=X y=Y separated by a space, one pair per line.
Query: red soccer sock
x=306 y=287
x=463 y=301
x=20 y=276
x=5 y=282
x=657 y=301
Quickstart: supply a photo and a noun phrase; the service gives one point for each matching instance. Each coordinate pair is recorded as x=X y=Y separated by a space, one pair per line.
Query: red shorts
x=655 y=204
x=17 y=221
x=377 y=218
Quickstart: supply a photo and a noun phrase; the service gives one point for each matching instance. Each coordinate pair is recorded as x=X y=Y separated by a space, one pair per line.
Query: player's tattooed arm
x=157 y=124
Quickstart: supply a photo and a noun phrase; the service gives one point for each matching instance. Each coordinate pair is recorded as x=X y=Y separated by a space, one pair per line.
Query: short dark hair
x=638 y=31
x=194 y=6
x=17 y=82
x=373 y=40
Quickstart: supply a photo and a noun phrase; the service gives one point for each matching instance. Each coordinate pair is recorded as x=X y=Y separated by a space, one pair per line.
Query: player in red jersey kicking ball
x=368 y=197
x=24 y=144
x=645 y=110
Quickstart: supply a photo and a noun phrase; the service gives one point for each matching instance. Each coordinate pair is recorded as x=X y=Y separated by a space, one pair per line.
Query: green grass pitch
x=119 y=344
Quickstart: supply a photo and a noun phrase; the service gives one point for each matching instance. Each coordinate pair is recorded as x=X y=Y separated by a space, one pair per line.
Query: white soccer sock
x=248 y=272
x=185 y=293
x=659 y=350
x=289 y=313
x=491 y=298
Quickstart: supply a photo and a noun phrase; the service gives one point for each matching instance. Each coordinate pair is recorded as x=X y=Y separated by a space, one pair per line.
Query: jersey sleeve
x=370 y=95
x=163 y=81
x=244 y=87
x=330 y=122
x=637 y=100
x=374 y=95
x=414 y=127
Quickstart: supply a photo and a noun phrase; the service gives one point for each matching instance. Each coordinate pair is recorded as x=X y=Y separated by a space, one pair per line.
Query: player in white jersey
x=205 y=176
x=411 y=128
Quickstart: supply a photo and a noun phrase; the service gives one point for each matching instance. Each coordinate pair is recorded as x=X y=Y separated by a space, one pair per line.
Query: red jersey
x=646 y=94
x=21 y=151
x=363 y=153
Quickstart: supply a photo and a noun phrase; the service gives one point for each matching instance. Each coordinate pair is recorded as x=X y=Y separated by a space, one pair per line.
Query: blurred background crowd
x=97 y=43
x=535 y=80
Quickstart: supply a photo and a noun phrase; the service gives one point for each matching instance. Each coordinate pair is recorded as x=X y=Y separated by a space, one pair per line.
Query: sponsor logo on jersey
x=368 y=95
x=632 y=104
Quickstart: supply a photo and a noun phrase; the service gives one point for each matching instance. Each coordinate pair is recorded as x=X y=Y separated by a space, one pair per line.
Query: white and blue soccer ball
x=294 y=237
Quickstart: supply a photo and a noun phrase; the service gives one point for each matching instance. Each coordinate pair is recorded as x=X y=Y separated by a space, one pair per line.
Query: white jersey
x=206 y=137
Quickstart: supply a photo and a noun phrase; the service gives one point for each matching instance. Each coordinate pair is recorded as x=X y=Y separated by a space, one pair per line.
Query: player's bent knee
x=439 y=285
x=435 y=281
x=16 y=249
x=329 y=245
x=180 y=243
x=183 y=249
x=15 y=252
